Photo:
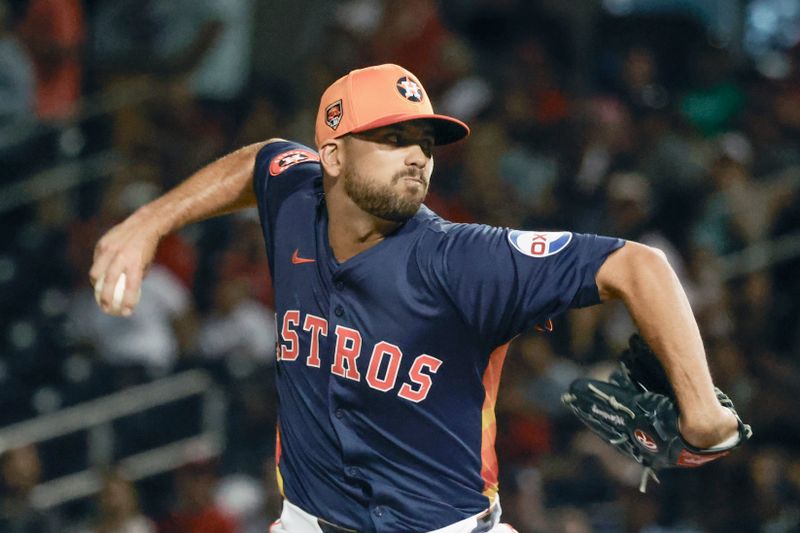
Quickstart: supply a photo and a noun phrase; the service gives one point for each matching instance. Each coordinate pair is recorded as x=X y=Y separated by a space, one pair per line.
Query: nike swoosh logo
x=297 y=260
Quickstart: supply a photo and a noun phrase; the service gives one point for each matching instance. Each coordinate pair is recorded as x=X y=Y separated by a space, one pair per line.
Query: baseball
x=119 y=292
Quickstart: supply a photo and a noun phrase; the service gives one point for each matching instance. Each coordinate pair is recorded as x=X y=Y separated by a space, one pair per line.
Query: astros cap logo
x=367 y=98
x=409 y=89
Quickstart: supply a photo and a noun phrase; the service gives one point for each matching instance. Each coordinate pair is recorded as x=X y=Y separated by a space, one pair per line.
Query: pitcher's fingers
x=102 y=259
x=98 y=288
x=133 y=291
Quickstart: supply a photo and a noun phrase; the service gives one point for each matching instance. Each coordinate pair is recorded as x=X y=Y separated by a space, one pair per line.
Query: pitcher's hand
x=121 y=258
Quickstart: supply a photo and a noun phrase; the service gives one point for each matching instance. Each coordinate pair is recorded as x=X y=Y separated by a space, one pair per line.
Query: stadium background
x=672 y=122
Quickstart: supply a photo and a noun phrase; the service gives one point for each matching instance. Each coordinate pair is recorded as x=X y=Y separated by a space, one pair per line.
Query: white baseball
x=119 y=292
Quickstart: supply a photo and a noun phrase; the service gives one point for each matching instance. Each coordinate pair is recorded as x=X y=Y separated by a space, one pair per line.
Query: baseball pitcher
x=393 y=323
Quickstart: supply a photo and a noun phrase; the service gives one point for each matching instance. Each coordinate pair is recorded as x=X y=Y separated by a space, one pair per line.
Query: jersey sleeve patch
x=539 y=243
x=290 y=158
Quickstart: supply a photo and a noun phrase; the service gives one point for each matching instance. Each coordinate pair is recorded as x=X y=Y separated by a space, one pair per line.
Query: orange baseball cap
x=378 y=96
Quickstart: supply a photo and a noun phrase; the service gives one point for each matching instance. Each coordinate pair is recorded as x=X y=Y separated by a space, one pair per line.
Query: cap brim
x=446 y=129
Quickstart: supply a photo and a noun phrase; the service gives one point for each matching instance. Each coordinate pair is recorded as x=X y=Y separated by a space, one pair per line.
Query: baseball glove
x=636 y=412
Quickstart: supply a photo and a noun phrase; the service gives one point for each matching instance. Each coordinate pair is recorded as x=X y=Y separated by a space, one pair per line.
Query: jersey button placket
x=338 y=310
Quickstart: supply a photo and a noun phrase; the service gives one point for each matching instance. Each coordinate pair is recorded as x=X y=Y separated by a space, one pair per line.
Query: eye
x=391 y=138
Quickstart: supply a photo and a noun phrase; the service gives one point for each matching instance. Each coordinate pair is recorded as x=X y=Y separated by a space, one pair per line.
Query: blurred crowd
x=644 y=128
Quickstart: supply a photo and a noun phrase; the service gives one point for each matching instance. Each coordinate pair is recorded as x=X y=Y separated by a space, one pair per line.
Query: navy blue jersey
x=389 y=363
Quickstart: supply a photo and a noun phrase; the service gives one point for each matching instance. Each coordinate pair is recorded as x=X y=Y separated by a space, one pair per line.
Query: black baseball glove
x=636 y=412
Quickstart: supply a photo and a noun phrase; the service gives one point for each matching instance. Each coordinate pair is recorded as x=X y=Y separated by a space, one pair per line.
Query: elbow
x=655 y=254
x=650 y=264
x=630 y=269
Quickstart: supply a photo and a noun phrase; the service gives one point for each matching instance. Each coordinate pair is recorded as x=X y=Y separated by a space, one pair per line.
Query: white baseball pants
x=295 y=520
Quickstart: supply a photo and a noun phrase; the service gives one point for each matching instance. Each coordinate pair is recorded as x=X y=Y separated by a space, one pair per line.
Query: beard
x=384 y=201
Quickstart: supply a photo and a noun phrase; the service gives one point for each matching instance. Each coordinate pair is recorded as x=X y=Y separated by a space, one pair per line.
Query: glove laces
x=647 y=474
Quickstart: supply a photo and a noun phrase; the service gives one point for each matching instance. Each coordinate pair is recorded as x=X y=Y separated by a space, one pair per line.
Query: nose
x=416 y=156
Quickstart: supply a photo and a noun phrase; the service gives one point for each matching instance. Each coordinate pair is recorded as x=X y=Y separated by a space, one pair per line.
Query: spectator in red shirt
x=195 y=510
x=54 y=31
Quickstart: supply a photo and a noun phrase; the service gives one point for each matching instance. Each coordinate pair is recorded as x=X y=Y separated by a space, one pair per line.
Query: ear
x=331 y=157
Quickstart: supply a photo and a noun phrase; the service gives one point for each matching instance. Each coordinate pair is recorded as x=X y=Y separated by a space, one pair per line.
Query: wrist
x=709 y=430
x=156 y=222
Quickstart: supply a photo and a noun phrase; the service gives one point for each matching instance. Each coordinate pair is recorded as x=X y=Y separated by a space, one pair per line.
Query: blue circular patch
x=539 y=243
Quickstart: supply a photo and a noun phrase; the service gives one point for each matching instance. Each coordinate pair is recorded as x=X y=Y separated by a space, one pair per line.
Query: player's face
x=388 y=170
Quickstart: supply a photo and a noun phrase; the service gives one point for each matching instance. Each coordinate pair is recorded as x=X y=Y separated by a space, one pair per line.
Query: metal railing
x=65 y=176
x=59 y=179
x=760 y=256
x=96 y=418
x=129 y=93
